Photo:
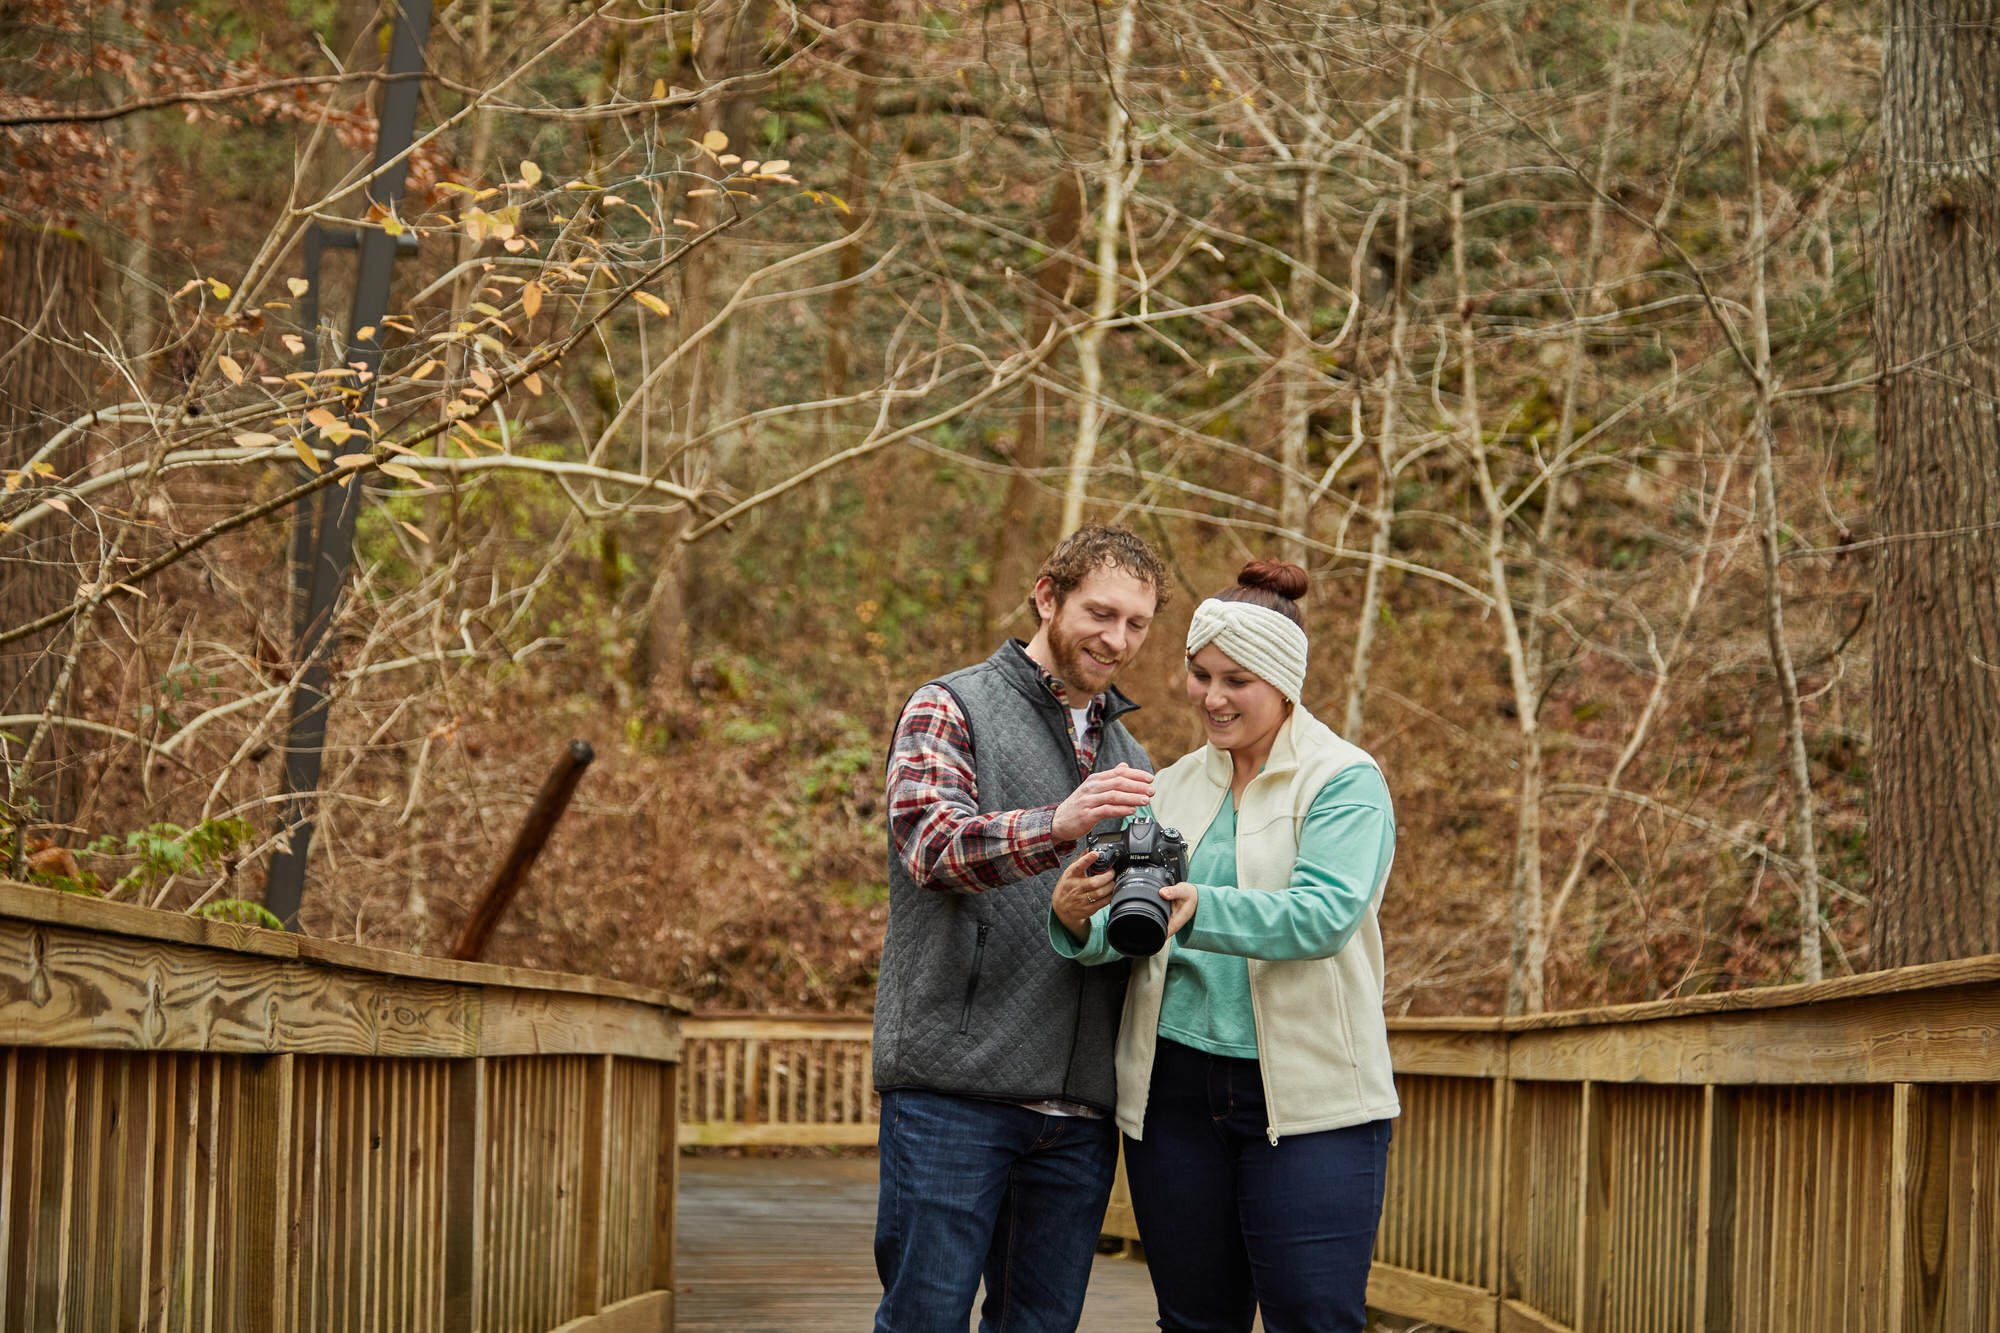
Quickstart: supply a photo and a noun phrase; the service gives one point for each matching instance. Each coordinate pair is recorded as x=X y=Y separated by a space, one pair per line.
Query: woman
x=1254 y=1086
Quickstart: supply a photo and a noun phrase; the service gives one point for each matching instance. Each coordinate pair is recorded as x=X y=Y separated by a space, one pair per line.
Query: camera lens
x=1137 y=923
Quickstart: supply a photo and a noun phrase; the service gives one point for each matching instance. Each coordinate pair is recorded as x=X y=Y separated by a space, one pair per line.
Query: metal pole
x=284 y=887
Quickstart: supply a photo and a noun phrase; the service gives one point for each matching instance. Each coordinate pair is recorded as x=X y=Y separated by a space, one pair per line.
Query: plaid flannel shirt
x=934 y=820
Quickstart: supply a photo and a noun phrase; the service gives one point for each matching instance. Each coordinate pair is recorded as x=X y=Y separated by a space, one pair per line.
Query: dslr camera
x=1146 y=857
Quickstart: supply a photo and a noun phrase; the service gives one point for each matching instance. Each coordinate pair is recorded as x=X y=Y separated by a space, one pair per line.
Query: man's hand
x=1180 y=899
x=1112 y=794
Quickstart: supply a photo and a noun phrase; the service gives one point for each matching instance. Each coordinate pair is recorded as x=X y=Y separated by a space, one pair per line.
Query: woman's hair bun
x=1279 y=576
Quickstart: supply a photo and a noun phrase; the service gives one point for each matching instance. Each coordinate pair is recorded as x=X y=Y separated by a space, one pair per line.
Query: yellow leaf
x=531 y=299
x=483 y=379
x=322 y=418
x=57 y=503
x=715 y=141
x=530 y=173
x=294 y=344
x=366 y=333
x=491 y=343
x=729 y=159
x=534 y=383
x=659 y=89
x=701 y=193
x=305 y=453
x=255 y=439
x=652 y=303
x=424 y=371
x=485 y=308
x=392 y=225
x=230 y=369
x=338 y=433
x=220 y=288
x=781 y=164
x=463 y=447
x=299 y=286
x=415 y=531
x=404 y=472
x=353 y=460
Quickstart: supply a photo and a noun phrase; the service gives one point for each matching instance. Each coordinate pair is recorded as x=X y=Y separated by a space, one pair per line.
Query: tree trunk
x=1018 y=540
x=1120 y=173
x=47 y=311
x=1797 y=765
x=1934 y=824
x=731 y=38
x=1388 y=442
x=1299 y=368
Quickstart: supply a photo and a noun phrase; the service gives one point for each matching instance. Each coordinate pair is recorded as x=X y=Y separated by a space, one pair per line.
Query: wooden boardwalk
x=785 y=1245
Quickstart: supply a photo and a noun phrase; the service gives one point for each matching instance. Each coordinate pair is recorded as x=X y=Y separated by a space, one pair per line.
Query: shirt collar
x=1054 y=686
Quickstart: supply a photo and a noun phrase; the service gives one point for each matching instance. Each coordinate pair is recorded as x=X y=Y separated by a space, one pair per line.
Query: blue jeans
x=974 y=1188
x=1233 y=1224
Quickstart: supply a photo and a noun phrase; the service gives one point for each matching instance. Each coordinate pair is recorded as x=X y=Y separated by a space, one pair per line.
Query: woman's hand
x=1080 y=891
x=1180 y=899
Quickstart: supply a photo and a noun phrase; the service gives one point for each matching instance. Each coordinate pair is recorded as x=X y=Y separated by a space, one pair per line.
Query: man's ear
x=1045 y=598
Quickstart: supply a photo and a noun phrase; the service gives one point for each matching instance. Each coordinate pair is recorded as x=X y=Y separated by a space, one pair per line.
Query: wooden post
x=1592 y=1199
x=528 y=843
x=666 y=1184
x=1496 y=1191
x=465 y=1197
x=1919 y=1189
x=595 y=1130
x=1715 y=1212
x=263 y=1196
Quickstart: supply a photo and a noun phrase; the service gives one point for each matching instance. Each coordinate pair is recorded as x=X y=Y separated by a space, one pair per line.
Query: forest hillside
x=742 y=360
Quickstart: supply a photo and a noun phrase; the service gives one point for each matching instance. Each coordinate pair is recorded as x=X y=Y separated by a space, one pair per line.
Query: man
x=992 y=1052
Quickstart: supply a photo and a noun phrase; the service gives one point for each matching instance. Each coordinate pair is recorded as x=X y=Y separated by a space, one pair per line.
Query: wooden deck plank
x=786 y=1245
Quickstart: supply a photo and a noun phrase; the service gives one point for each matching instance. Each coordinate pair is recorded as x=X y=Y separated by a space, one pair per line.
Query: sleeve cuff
x=1093 y=950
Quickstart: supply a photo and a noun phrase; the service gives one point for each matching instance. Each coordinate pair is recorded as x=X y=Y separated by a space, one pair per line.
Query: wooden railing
x=1800 y=1159
x=802 y=1079
x=205 y=1126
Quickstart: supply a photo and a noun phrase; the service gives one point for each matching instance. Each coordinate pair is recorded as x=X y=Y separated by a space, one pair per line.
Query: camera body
x=1146 y=858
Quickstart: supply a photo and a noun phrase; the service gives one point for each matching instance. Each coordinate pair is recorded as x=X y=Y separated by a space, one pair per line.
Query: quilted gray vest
x=971 y=998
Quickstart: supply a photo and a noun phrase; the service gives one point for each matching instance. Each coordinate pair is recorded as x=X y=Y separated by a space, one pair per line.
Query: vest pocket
x=972 y=979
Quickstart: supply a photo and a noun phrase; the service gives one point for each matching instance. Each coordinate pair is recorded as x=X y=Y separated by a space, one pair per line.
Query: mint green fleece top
x=1346 y=840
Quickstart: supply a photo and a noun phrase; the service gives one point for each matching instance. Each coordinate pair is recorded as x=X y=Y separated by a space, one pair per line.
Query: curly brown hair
x=1092 y=548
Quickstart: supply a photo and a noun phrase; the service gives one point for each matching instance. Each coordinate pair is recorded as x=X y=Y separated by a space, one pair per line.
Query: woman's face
x=1242 y=711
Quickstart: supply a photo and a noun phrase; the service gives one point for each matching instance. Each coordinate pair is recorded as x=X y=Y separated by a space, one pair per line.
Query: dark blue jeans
x=1233 y=1224
x=975 y=1189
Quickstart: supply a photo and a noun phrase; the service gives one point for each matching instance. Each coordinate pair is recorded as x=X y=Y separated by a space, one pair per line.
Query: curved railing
x=208 y=1126
x=1798 y=1159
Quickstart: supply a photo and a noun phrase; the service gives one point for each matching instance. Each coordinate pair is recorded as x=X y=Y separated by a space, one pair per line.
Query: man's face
x=1097 y=629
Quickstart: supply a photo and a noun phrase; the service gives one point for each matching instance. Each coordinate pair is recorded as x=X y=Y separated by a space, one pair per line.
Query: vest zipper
x=972 y=981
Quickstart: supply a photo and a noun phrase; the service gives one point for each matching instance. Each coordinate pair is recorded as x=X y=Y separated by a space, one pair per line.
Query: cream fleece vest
x=1322 y=1044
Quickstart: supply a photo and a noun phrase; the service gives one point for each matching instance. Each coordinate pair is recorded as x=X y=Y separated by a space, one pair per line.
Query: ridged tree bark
x=1934 y=816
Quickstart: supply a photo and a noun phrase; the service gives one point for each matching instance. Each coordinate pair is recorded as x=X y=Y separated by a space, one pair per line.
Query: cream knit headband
x=1256 y=638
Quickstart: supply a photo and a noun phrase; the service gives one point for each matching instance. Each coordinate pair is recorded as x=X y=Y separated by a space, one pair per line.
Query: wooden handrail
x=215 y=1126
x=1787 y=1160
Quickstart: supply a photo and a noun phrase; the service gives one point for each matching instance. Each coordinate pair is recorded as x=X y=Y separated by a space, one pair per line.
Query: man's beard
x=1082 y=674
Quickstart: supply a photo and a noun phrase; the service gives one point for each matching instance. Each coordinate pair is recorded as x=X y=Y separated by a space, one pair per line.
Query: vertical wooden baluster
x=594 y=1127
